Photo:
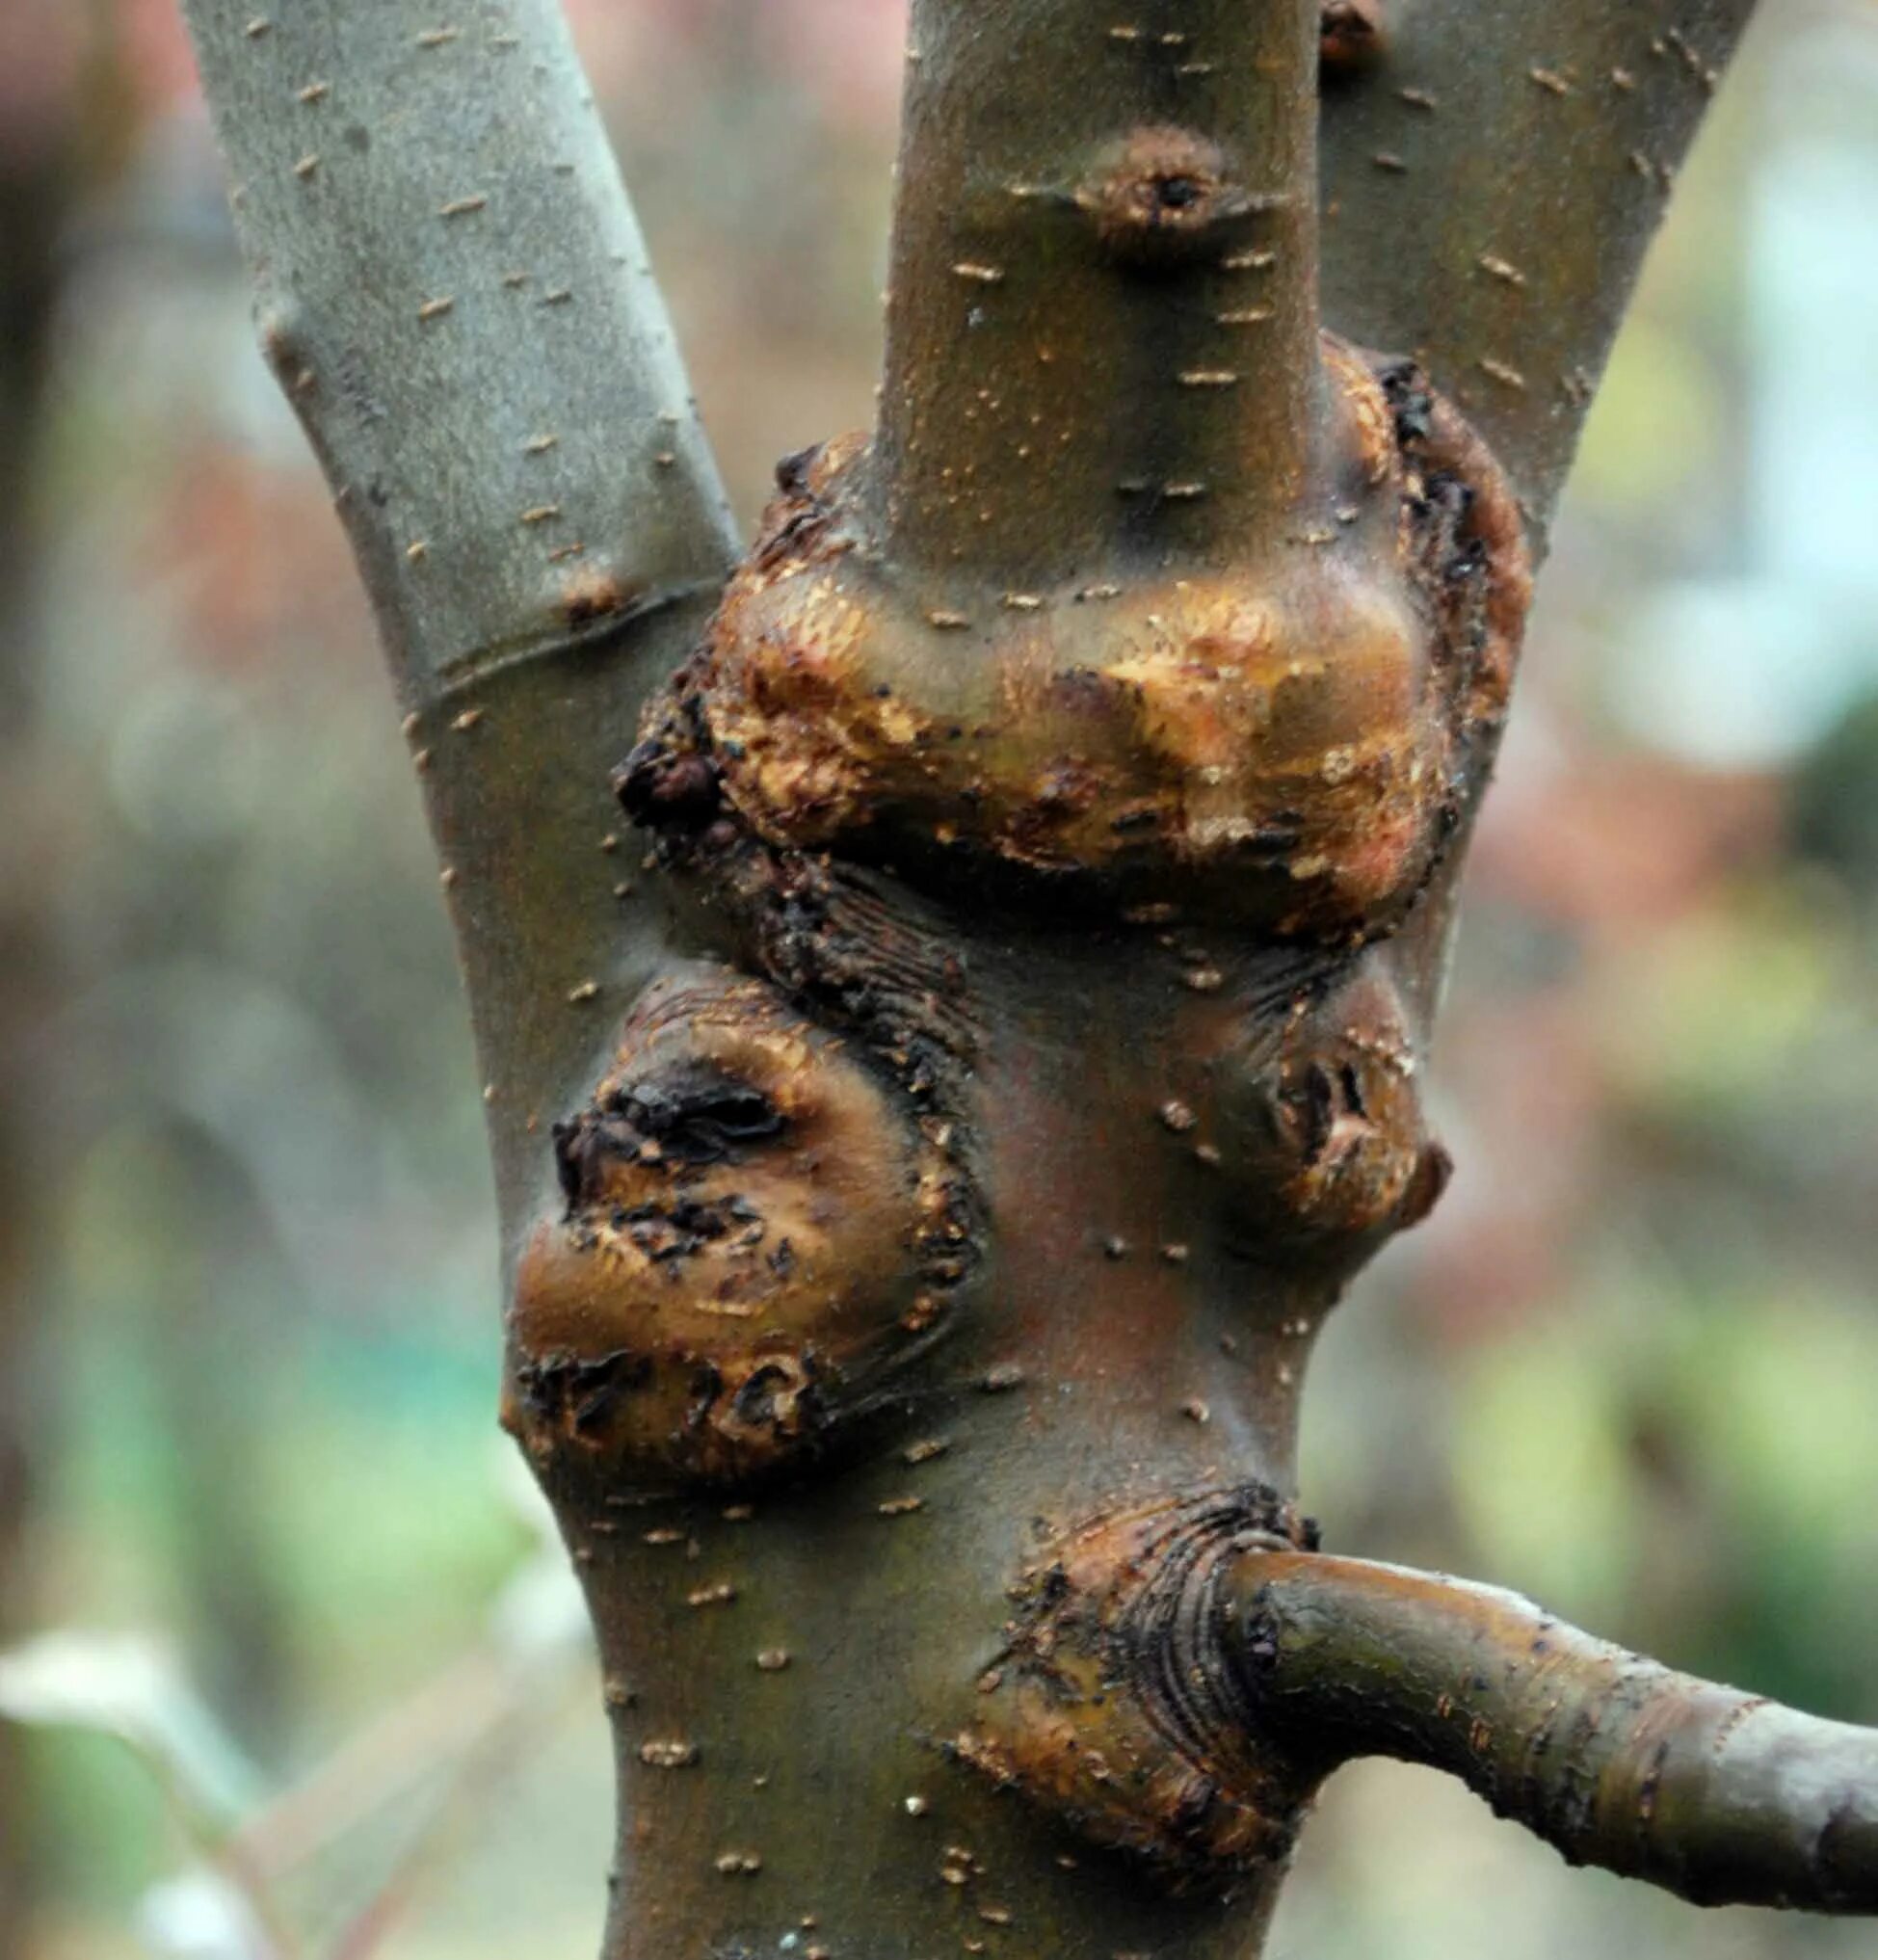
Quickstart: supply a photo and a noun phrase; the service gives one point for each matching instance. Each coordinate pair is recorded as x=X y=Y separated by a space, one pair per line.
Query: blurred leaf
x=1654 y=427
x=125 y=1685
x=1833 y=815
x=1540 y=1476
x=200 y=1916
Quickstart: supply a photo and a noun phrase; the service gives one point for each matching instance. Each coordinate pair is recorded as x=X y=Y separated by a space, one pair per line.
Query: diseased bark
x=919 y=1217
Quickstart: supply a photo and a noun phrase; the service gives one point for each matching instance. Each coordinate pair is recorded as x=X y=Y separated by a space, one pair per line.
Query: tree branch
x=1102 y=325
x=1719 y=1796
x=455 y=295
x=1491 y=181
x=904 y=764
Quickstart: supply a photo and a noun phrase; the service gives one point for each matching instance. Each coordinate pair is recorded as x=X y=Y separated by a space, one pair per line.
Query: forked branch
x=1053 y=829
x=1722 y=1797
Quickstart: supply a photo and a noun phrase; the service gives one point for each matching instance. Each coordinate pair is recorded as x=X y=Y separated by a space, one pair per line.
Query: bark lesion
x=1321 y=1105
x=1110 y=1704
x=1288 y=744
x=1280 y=752
x=1147 y=665
x=1162 y=197
x=758 y=1238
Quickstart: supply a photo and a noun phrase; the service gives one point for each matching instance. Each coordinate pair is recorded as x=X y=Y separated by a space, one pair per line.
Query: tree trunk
x=920 y=1196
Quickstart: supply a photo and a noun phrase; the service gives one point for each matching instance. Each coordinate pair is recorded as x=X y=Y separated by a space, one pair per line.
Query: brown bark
x=1104 y=287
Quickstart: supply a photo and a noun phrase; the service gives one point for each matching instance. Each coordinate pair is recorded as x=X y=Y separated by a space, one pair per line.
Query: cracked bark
x=920 y=1200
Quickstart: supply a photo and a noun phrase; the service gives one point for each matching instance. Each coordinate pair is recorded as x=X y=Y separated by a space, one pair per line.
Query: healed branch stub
x=454 y=293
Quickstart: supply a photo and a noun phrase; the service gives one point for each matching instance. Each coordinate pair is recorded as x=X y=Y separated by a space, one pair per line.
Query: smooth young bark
x=454 y=297
x=1492 y=178
x=453 y=291
x=1722 y=1797
x=1036 y=405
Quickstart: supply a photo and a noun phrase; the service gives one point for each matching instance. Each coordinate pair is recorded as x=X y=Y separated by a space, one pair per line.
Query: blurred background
x=275 y=1592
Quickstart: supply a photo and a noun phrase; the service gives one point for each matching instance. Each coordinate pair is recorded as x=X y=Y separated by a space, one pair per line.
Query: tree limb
x=455 y=296
x=902 y=771
x=1719 y=1796
x=1103 y=323
x=1490 y=181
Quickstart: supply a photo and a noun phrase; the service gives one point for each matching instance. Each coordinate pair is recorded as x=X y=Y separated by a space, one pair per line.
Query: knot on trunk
x=1350 y=35
x=754 y=1232
x=1286 y=745
x=1112 y=1703
x=1319 y=1113
x=1165 y=195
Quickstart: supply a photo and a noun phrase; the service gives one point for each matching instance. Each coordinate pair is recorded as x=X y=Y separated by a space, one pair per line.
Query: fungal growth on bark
x=922 y=1188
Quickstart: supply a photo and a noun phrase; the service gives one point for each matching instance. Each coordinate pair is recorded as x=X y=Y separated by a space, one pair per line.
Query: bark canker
x=1009 y=1178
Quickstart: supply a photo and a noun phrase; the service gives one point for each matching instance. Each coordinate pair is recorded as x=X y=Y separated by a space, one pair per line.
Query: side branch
x=1719 y=1796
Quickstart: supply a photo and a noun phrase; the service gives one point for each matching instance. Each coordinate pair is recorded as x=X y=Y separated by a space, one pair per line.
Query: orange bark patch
x=1286 y=744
